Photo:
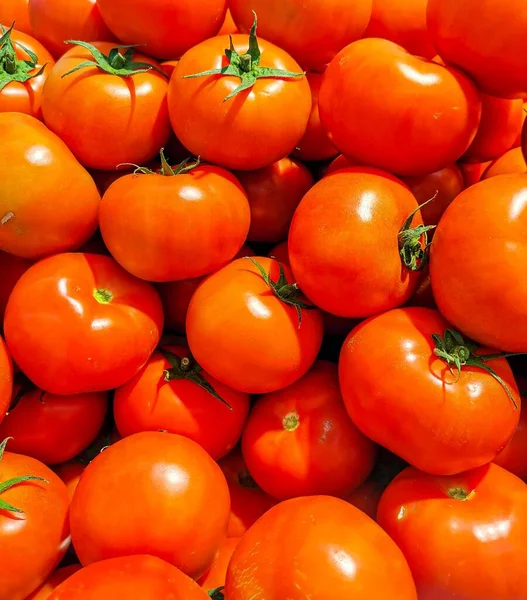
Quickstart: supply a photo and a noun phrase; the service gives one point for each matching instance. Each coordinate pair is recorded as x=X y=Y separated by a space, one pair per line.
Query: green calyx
x=247 y=66
x=187 y=368
x=459 y=493
x=413 y=241
x=168 y=171
x=11 y=68
x=217 y=593
x=115 y=63
x=103 y=296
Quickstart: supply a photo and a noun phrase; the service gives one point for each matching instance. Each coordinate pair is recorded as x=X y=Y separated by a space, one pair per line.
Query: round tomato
x=391 y=362
x=367 y=497
x=514 y=456
x=34 y=530
x=346 y=243
x=510 y=163
x=244 y=120
x=299 y=441
x=16 y=11
x=149 y=494
x=6 y=379
x=491 y=310
x=216 y=575
x=317 y=547
x=141 y=576
x=473 y=172
x=55 y=579
x=379 y=121
x=485 y=38
x=264 y=335
x=37 y=219
x=12 y=268
x=70 y=473
x=93 y=328
x=109 y=106
x=61 y=426
x=462 y=535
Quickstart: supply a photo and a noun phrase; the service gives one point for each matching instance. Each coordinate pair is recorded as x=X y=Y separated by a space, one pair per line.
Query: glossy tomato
x=491 y=309
x=460 y=535
x=110 y=111
x=70 y=472
x=509 y=163
x=263 y=337
x=514 y=456
x=379 y=122
x=55 y=579
x=317 y=547
x=299 y=441
x=16 y=11
x=56 y=208
x=216 y=575
x=6 y=379
x=93 y=328
x=175 y=484
x=12 y=268
x=388 y=365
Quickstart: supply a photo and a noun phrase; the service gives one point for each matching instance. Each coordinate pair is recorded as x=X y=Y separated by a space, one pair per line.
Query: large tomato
x=6 y=379
x=263 y=333
x=151 y=493
x=514 y=456
x=34 y=532
x=509 y=163
x=93 y=328
x=493 y=248
x=317 y=547
x=111 y=110
x=380 y=123
x=16 y=11
x=299 y=441
x=56 y=208
x=54 y=580
x=206 y=205
x=406 y=397
x=462 y=535
x=216 y=575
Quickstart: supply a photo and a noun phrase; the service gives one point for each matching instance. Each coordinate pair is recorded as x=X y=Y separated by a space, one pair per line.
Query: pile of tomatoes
x=263 y=299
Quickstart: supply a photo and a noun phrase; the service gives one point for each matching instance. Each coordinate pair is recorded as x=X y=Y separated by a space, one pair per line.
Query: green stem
x=413 y=241
x=12 y=69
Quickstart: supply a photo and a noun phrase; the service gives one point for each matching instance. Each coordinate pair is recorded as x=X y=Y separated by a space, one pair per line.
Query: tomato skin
x=299 y=441
x=260 y=346
x=508 y=164
x=140 y=576
x=473 y=172
x=12 y=268
x=343 y=242
x=387 y=366
x=41 y=533
x=105 y=119
x=54 y=580
x=280 y=252
x=494 y=254
x=43 y=221
x=110 y=341
x=366 y=497
x=229 y=133
x=514 y=456
x=174 y=479
x=70 y=473
x=300 y=549
x=6 y=379
x=216 y=575
x=371 y=122
x=468 y=549
x=341 y=162
x=229 y=26
x=17 y=11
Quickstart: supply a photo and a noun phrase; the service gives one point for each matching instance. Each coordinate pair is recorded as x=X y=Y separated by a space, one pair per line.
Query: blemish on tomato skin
x=7 y=217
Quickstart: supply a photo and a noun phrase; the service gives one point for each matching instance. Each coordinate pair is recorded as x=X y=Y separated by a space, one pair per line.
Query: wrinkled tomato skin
x=383 y=385
x=514 y=456
x=16 y=11
x=12 y=268
x=6 y=379
x=508 y=164
x=54 y=580
x=216 y=575
x=464 y=549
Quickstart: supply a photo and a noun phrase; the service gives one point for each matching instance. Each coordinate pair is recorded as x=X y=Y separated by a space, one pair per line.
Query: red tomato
x=514 y=456
x=107 y=118
x=423 y=295
x=344 y=243
x=485 y=38
x=36 y=219
x=229 y=26
x=380 y=123
x=70 y=473
x=310 y=30
x=367 y=497
x=341 y=162
x=216 y=575
x=55 y=579
x=383 y=385
x=508 y=164
x=490 y=310
x=141 y=576
x=93 y=328
x=262 y=341
x=61 y=426
x=317 y=547
x=472 y=172
x=248 y=501
x=104 y=179
x=518 y=140
x=16 y=11
x=299 y=441
x=460 y=534
x=95 y=245
x=12 y=268
x=6 y=379
x=33 y=524
x=281 y=253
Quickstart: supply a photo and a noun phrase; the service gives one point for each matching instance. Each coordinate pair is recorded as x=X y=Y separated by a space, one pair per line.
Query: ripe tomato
x=341 y=162
x=472 y=172
x=61 y=426
x=280 y=252
x=55 y=579
x=70 y=473
x=36 y=220
x=248 y=501
x=317 y=547
x=93 y=328
x=388 y=365
x=174 y=482
x=345 y=243
x=461 y=535
x=206 y=205
x=216 y=575
x=485 y=38
x=229 y=26
x=423 y=295
x=274 y=192
x=263 y=337
x=141 y=576
x=490 y=310
x=366 y=497
x=16 y=11
x=33 y=524
x=110 y=113
x=299 y=441
x=508 y=164
x=310 y=30
x=514 y=456
x=12 y=268
x=6 y=379
x=379 y=122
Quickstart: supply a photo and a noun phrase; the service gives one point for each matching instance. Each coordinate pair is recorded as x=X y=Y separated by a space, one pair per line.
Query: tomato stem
x=291 y=421
x=217 y=593
x=458 y=493
x=12 y=69
x=103 y=296
x=413 y=241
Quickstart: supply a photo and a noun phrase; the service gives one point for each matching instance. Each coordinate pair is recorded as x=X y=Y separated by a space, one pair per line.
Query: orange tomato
x=216 y=575
x=16 y=11
x=229 y=26
x=509 y=163
x=54 y=580
x=514 y=456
